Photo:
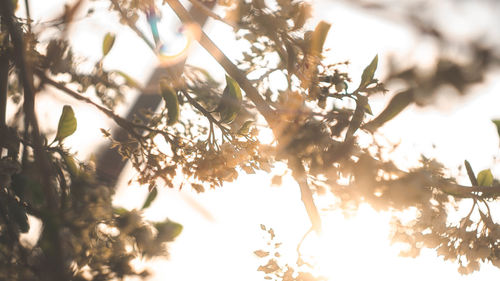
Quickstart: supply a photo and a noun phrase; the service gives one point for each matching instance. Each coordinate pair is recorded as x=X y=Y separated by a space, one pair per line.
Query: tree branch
x=262 y=106
x=204 y=112
x=41 y=160
x=210 y=13
x=300 y=177
x=226 y=63
x=4 y=76
x=469 y=191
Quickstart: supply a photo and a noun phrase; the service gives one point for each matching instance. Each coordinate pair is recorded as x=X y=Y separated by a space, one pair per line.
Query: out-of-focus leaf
x=67 y=124
x=245 y=128
x=168 y=230
x=70 y=163
x=171 y=101
x=230 y=103
x=357 y=117
x=107 y=43
x=151 y=197
x=129 y=80
x=368 y=108
x=399 y=102
x=497 y=124
x=14 y=4
x=318 y=38
x=198 y=187
x=120 y=211
x=367 y=76
x=470 y=173
x=485 y=178
x=261 y=253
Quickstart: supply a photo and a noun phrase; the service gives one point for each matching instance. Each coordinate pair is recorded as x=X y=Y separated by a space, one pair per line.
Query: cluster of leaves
x=82 y=235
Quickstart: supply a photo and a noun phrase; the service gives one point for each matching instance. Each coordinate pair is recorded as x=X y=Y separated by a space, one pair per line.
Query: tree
x=211 y=138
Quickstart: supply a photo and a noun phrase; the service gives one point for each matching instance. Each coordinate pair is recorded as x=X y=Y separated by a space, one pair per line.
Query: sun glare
x=347 y=244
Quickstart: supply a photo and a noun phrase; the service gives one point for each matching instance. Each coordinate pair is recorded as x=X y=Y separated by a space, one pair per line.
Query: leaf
x=151 y=197
x=70 y=163
x=367 y=76
x=107 y=43
x=318 y=38
x=470 y=173
x=171 y=101
x=497 y=124
x=357 y=117
x=230 y=103
x=368 y=108
x=128 y=80
x=168 y=230
x=245 y=128
x=399 y=102
x=485 y=178
x=67 y=124
x=198 y=187
x=261 y=253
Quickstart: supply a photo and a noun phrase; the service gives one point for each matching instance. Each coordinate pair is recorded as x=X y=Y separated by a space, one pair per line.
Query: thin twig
x=132 y=26
x=205 y=112
x=299 y=245
x=225 y=62
x=211 y=14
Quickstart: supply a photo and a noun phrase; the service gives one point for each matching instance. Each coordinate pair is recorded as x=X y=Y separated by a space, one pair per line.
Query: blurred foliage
x=209 y=135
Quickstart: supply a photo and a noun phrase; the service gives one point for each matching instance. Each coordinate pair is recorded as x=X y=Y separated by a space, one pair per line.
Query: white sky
x=356 y=249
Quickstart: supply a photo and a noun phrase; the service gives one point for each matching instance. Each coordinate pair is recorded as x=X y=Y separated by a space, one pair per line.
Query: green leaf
x=367 y=76
x=70 y=163
x=151 y=197
x=485 y=178
x=318 y=38
x=230 y=104
x=357 y=117
x=470 y=173
x=368 y=108
x=497 y=124
x=171 y=101
x=107 y=43
x=128 y=80
x=167 y=230
x=234 y=88
x=67 y=124
x=399 y=102
x=245 y=128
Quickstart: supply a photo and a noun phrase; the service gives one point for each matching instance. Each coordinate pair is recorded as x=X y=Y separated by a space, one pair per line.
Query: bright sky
x=220 y=248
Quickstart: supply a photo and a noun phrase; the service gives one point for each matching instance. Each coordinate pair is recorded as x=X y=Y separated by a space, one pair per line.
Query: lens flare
x=177 y=48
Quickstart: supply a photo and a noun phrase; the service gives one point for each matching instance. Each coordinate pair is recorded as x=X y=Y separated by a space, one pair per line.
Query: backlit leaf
x=497 y=124
x=168 y=230
x=318 y=38
x=171 y=101
x=128 y=80
x=367 y=76
x=151 y=197
x=230 y=103
x=107 y=43
x=399 y=102
x=245 y=128
x=67 y=124
x=485 y=178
